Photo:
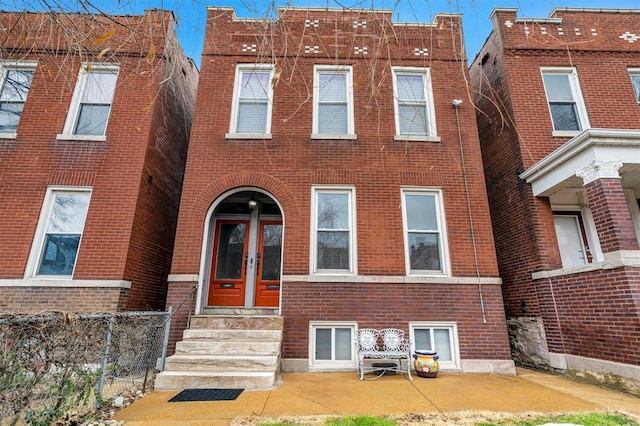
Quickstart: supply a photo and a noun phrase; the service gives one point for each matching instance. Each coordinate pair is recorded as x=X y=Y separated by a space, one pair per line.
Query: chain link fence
x=55 y=362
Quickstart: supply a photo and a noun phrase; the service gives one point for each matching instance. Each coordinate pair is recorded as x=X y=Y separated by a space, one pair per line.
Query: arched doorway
x=246 y=251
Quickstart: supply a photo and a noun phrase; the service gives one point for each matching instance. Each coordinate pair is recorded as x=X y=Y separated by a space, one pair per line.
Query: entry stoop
x=226 y=351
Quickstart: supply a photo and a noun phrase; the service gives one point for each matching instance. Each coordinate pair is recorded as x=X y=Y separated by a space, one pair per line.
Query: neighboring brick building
x=325 y=161
x=95 y=113
x=558 y=113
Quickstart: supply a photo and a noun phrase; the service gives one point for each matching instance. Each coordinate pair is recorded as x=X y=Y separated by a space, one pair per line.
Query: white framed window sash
x=37 y=247
x=349 y=191
x=634 y=74
x=5 y=68
x=347 y=99
x=448 y=360
x=576 y=93
x=69 y=130
x=339 y=345
x=443 y=248
x=240 y=98
x=426 y=103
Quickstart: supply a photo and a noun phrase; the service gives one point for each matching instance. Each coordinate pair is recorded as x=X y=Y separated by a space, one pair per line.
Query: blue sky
x=191 y=13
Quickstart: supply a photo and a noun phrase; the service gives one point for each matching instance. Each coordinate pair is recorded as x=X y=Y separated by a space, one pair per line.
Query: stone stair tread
x=219 y=373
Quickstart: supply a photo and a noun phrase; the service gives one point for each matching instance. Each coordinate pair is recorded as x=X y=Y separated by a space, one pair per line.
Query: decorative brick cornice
x=599 y=170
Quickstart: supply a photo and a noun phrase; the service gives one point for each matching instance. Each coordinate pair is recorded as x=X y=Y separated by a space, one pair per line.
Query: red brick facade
x=285 y=165
x=134 y=172
x=538 y=173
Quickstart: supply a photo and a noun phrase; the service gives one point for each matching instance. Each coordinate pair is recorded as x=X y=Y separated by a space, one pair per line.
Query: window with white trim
x=634 y=73
x=441 y=337
x=331 y=344
x=333 y=102
x=60 y=230
x=333 y=235
x=91 y=103
x=564 y=97
x=413 y=98
x=15 y=82
x=425 y=239
x=252 y=100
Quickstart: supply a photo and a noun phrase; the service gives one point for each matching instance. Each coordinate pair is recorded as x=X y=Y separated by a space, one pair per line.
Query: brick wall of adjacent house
x=377 y=166
x=114 y=169
x=584 y=314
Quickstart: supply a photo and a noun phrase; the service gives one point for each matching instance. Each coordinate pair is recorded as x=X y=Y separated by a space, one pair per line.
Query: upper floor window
x=414 y=109
x=634 y=73
x=252 y=100
x=425 y=239
x=91 y=103
x=60 y=230
x=333 y=236
x=333 y=103
x=15 y=81
x=567 y=108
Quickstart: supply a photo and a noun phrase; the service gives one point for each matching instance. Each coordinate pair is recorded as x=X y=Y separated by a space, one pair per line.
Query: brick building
x=328 y=183
x=558 y=113
x=95 y=113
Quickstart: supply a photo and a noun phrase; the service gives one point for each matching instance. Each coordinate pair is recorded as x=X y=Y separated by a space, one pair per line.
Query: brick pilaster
x=609 y=206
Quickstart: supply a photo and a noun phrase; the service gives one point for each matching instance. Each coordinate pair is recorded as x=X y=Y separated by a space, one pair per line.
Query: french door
x=246 y=263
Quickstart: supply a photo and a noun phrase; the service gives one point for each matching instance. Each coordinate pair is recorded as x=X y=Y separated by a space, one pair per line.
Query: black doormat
x=207 y=395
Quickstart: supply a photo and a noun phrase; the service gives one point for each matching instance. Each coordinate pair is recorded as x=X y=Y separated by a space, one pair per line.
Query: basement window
x=331 y=345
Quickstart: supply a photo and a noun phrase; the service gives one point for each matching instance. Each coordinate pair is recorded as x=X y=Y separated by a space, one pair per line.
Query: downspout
x=456 y=103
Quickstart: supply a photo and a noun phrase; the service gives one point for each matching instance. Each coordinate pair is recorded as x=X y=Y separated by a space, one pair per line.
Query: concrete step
x=240 y=311
x=170 y=380
x=254 y=322
x=211 y=363
x=210 y=347
x=233 y=334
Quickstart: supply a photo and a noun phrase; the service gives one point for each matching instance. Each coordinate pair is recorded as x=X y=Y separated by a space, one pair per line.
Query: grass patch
x=444 y=419
x=360 y=421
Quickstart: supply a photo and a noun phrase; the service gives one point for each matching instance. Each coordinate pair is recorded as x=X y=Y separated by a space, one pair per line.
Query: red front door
x=229 y=266
x=268 y=260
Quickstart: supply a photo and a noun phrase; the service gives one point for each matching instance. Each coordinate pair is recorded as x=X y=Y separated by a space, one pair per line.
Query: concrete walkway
x=304 y=394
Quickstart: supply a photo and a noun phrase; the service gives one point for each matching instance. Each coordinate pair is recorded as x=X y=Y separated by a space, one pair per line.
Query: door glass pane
x=230 y=251
x=441 y=337
x=424 y=252
x=271 y=249
x=423 y=339
x=323 y=343
x=344 y=343
x=570 y=243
